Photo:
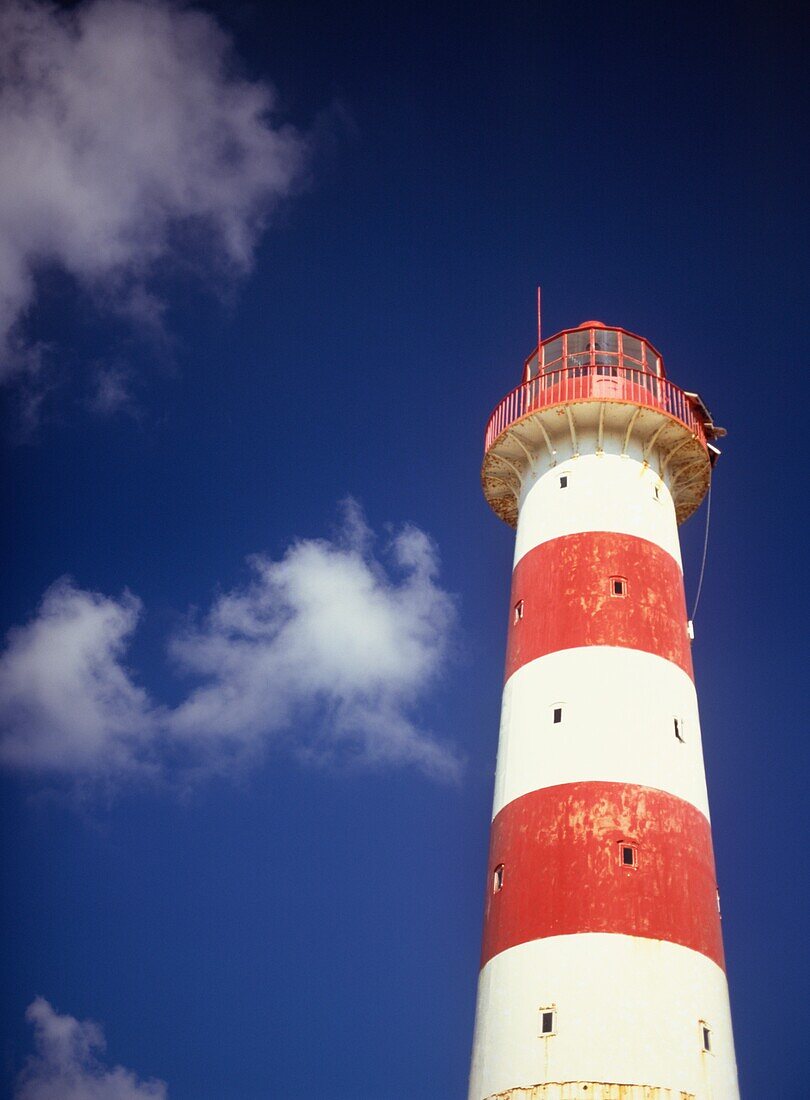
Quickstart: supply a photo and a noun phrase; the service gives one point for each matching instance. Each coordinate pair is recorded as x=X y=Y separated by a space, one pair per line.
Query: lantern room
x=598 y=389
x=595 y=345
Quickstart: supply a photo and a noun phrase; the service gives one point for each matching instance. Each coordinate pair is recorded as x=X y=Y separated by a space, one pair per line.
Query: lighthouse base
x=624 y=1010
x=591 y=1090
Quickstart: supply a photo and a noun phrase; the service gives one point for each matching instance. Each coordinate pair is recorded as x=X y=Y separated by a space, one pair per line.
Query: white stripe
x=604 y=493
x=618 y=725
x=628 y=1011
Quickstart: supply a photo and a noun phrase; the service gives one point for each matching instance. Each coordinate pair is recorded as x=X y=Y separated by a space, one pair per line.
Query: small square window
x=563 y=481
x=618 y=586
x=548 y=1021
x=678 y=729
x=497 y=879
x=518 y=611
x=705 y=1037
x=557 y=715
x=628 y=855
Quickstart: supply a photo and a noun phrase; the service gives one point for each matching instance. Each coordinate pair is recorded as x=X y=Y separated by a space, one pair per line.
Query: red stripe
x=562 y=872
x=565 y=586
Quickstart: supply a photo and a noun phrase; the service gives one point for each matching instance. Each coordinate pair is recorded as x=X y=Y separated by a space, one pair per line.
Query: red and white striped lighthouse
x=602 y=973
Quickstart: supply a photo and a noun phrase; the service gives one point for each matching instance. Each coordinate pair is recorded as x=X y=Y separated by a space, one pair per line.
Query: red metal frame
x=575 y=383
x=622 y=359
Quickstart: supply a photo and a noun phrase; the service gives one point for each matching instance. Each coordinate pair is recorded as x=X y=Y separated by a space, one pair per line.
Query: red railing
x=595 y=383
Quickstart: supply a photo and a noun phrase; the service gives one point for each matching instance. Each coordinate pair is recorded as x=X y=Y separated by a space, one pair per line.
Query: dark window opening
x=618 y=586
x=546 y=1021
x=518 y=611
x=706 y=1035
x=497 y=879
x=678 y=729
x=564 y=481
x=557 y=715
x=628 y=855
x=657 y=493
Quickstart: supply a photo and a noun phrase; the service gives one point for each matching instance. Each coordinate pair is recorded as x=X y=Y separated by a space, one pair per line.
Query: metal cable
x=705 y=550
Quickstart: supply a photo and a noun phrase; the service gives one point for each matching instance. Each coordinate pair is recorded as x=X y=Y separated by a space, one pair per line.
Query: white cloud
x=67 y=702
x=325 y=651
x=325 y=628
x=66 y=1064
x=122 y=129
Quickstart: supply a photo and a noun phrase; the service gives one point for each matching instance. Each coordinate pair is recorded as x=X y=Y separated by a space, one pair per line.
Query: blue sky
x=248 y=745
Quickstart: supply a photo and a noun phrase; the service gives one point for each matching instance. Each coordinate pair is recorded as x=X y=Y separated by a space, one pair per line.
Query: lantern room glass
x=603 y=351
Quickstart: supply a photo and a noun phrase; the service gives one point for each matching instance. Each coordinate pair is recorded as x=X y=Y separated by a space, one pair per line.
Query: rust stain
x=591 y=1090
x=561 y=849
x=565 y=587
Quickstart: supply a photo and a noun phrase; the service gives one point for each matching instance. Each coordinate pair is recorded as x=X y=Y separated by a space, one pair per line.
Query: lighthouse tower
x=602 y=972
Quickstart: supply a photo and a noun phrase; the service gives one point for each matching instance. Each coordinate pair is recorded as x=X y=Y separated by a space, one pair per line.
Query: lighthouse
x=602 y=971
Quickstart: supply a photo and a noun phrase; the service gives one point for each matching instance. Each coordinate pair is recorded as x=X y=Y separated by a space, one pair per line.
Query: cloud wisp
x=327 y=652
x=127 y=139
x=66 y=1064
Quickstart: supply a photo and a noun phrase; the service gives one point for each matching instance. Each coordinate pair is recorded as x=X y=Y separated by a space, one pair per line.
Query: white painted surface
x=628 y=1008
x=618 y=711
x=628 y=1011
x=605 y=492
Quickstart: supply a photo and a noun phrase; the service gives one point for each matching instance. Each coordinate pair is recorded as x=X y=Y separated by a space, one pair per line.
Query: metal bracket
x=511 y=466
x=542 y=428
x=645 y=454
x=672 y=453
x=513 y=435
x=599 y=448
x=696 y=465
x=509 y=486
x=572 y=426
x=633 y=419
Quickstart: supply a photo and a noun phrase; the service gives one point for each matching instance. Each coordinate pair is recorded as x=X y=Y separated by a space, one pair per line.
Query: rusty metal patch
x=591 y=1090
